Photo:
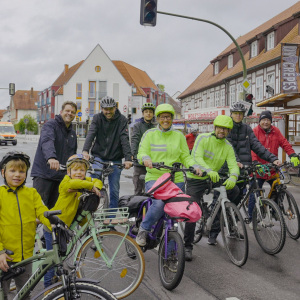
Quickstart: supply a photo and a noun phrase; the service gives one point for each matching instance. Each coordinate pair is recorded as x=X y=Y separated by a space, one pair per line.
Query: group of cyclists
x=227 y=148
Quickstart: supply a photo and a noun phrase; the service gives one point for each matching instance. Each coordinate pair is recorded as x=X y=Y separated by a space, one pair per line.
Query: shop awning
x=278 y=100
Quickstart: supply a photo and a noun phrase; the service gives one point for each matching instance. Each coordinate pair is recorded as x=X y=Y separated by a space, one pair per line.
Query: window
x=232 y=95
x=239 y=91
x=102 y=89
x=223 y=98
x=78 y=90
x=217 y=98
x=204 y=101
x=254 y=49
x=259 y=88
x=216 y=67
x=212 y=100
x=92 y=89
x=270 y=40
x=294 y=129
x=230 y=61
x=271 y=80
x=92 y=108
x=195 y=104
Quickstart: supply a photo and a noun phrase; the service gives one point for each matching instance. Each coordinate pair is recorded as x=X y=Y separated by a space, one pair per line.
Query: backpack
x=177 y=204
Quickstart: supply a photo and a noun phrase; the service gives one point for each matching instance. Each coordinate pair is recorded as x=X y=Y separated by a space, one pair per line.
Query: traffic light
x=129 y=119
x=12 y=89
x=148 y=12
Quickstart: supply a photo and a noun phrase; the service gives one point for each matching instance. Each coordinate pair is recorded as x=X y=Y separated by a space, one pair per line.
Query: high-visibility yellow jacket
x=68 y=202
x=19 y=208
x=164 y=146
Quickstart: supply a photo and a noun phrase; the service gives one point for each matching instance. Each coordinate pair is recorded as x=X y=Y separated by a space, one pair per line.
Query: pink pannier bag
x=178 y=205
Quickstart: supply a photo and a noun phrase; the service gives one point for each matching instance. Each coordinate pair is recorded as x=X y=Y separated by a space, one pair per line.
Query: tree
x=161 y=87
x=31 y=126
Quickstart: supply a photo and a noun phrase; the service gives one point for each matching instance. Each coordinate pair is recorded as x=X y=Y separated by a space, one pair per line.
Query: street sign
x=79 y=114
x=87 y=110
x=269 y=90
x=125 y=108
x=246 y=84
x=26 y=121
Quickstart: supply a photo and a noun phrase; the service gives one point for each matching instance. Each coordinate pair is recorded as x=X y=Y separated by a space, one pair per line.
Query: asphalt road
x=211 y=275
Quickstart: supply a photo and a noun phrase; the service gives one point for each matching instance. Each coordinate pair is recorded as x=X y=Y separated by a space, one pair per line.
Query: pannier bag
x=178 y=205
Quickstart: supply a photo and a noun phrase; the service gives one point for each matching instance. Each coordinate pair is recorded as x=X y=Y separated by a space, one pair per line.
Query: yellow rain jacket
x=68 y=202
x=19 y=208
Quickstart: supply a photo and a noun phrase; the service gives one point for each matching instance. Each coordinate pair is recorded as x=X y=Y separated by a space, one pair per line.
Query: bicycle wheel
x=199 y=231
x=295 y=175
x=127 y=268
x=236 y=240
x=290 y=212
x=171 y=268
x=85 y=290
x=269 y=226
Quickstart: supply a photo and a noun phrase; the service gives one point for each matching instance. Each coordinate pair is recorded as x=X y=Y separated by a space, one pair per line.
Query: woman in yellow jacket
x=161 y=144
x=20 y=206
x=68 y=200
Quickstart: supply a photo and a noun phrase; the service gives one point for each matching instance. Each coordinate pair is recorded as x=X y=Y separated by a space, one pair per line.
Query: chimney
x=31 y=93
x=66 y=69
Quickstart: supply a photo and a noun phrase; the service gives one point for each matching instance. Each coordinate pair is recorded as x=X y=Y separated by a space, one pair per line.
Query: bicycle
x=268 y=223
x=294 y=173
x=233 y=229
x=69 y=287
x=285 y=201
x=171 y=256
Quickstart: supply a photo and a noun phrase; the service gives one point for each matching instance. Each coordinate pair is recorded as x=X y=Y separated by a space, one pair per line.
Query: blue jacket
x=56 y=141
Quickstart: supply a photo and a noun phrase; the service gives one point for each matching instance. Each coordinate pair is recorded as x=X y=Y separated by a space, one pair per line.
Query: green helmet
x=148 y=105
x=164 y=108
x=223 y=121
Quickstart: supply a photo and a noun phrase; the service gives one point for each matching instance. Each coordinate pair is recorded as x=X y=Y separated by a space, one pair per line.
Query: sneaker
x=236 y=235
x=188 y=254
x=212 y=240
x=141 y=238
x=171 y=265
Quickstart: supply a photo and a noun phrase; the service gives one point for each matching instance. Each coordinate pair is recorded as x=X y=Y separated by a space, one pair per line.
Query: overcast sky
x=39 y=37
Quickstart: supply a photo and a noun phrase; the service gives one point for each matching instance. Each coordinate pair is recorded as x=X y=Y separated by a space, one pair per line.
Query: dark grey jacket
x=138 y=130
x=243 y=140
x=111 y=137
x=56 y=141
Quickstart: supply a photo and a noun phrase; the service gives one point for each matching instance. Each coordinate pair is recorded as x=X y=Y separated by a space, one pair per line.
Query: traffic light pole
x=212 y=23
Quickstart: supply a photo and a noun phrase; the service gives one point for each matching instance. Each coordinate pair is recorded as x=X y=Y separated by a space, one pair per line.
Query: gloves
x=214 y=176
x=295 y=161
x=230 y=183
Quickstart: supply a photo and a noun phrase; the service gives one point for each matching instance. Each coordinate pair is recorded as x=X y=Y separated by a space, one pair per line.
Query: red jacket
x=190 y=139
x=271 y=141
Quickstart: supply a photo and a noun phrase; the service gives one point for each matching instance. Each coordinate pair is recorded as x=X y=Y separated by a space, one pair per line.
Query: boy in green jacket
x=20 y=206
x=68 y=199
x=210 y=151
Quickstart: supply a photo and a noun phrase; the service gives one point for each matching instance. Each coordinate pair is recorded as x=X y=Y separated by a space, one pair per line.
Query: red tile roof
x=25 y=99
x=135 y=76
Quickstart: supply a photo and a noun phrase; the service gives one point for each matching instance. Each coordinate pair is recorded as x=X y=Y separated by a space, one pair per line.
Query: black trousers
x=196 y=189
x=138 y=183
x=48 y=189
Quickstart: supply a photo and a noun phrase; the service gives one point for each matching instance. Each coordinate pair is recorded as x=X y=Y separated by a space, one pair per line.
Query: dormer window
x=230 y=61
x=216 y=67
x=254 y=49
x=270 y=40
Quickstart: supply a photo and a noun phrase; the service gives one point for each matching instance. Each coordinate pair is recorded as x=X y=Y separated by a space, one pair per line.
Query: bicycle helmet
x=108 y=102
x=223 y=121
x=164 y=108
x=15 y=155
x=148 y=106
x=77 y=158
x=238 y=106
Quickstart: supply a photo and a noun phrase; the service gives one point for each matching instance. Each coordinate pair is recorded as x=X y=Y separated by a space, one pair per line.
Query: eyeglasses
x=168 y=118
x=222 y=128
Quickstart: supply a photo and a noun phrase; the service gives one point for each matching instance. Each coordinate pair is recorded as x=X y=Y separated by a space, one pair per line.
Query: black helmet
x=108 y=102
x=238 y=106
x=148 y=105
x=15 y=155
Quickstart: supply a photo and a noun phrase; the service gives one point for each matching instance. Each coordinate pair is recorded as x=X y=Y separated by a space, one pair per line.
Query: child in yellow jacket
x=68 y=199
x=20 y=206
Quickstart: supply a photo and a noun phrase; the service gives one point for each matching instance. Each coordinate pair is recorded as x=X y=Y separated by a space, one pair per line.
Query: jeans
x=113 y=180
x=50 y=274
x=251 y=203
x=156 y=210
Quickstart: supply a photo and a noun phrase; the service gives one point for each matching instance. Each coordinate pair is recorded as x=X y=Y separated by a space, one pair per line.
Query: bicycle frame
x=48 y=259
x=90 y=225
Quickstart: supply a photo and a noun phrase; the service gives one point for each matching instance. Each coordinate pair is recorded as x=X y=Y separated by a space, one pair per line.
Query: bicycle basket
x=89 y=203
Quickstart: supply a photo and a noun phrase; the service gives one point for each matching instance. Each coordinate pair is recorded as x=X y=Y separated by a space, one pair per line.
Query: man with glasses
x=108 y=140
